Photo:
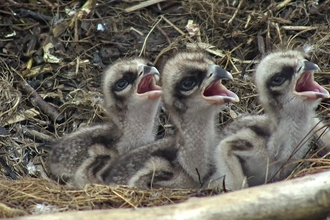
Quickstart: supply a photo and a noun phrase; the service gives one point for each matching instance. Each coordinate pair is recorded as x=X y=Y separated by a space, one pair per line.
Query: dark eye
x=278 y=80
x=187 y=84
x=121 y=84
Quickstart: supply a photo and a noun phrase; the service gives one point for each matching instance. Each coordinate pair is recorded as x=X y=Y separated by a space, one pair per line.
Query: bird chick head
x=192 y=82
x=130 y=82
x=286 y=76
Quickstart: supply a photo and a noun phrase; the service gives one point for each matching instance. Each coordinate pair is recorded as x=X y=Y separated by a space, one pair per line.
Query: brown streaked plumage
x=193 y=95
x=131 y=99
x=263 y=148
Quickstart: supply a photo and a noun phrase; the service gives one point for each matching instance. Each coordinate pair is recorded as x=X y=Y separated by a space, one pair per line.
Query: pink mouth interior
x=306 y=83
x=308 y=88
x=215 y=89
x=147 y=84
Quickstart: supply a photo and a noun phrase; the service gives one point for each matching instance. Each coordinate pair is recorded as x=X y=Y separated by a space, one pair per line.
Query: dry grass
x=66 y=95
x=35 y=196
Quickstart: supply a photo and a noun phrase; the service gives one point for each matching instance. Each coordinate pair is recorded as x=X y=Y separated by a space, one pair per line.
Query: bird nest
x=36 y=196
x=51 y=65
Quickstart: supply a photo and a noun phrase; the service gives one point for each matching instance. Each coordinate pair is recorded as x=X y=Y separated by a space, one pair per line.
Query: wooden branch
x=37 y=101
x=302 y=198
x=36 y=135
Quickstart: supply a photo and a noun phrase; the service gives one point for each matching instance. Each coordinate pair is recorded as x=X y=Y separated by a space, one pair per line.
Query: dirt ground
x=51 y=61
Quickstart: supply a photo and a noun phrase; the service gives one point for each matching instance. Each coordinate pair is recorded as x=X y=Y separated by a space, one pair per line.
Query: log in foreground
x=302 y=198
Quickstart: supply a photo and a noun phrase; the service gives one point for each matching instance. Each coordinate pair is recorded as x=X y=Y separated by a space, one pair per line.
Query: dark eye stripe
x=130 y=76
x=126 y=79
x=286 y=73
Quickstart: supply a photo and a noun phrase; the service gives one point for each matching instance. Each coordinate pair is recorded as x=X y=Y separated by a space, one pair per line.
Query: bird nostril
x=210 y=75
x=147 y=69
x=299 y=69
x=141 y=73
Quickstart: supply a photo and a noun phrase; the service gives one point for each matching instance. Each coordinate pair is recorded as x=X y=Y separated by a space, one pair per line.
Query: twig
x=86 y=9
x=216 y=52
x=199 y=178
x=37 y=101
x=224 y=184
x=77 y=64
x=29 y=113
x=37 y=135
x=247 y=22
x=143 y=5
x=278 y=32
x=44 y=68
x=48 y=3
x=8 y=168
x=298 y=28
x=165 y=35
x=283 y=4
x=24 y=13
x=137 y=31
x=145 y=40
x=177 y=29
x=76 y=34
x=153 y=174
x=120 y=196
x=236 y=11
x=261 y=44
x=165 y=50
x=12 y=108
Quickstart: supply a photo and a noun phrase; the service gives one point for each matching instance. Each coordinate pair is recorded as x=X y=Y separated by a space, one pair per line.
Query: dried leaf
x=232 y=114
x=192 y=28
x=48 y=57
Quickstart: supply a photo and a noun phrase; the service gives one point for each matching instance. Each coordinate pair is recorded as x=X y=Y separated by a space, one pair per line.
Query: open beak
x=149 y=76
x=214 y=91
x=306 y=86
